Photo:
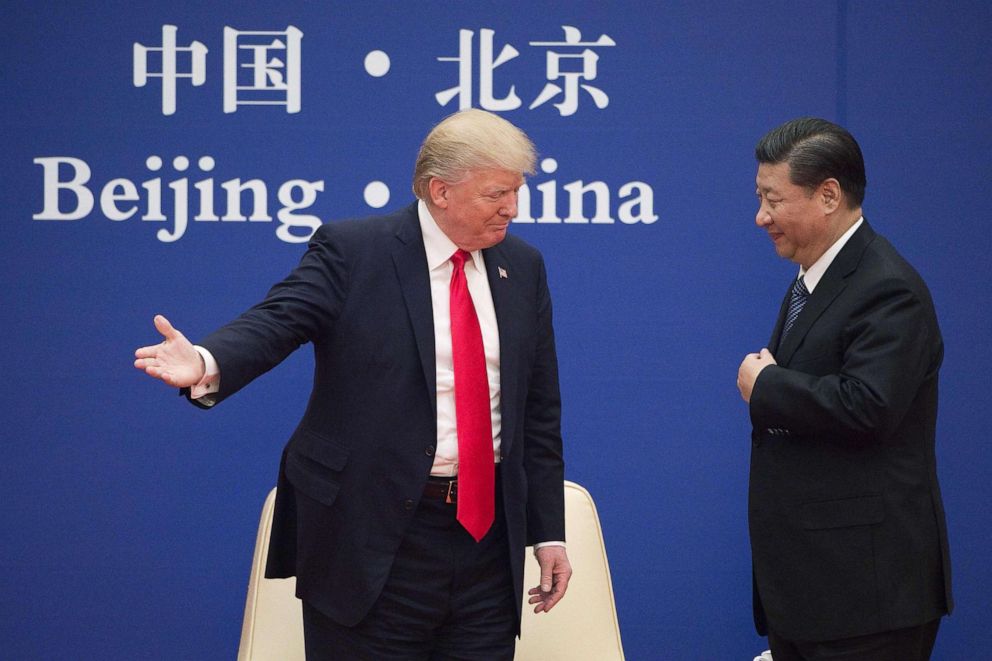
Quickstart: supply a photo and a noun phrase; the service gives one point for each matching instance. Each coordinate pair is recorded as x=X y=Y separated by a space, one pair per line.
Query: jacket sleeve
x=302 y=306
x=542 y=431
x=887 y=348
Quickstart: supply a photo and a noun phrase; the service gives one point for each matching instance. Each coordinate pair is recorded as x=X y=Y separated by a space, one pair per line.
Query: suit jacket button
x=408 y=504
x=429 y=450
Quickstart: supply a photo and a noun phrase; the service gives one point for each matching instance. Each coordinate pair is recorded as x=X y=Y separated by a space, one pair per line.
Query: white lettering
x=76 y=185
x=638 y=208
x=523 y=206
x=206 y=189
x=576 y=192
x=260 y=199
x=287 y=219
x=549 y=197
x=109 y=198
x=67 y=196
x=154 y=188
x=180 y=211
x=644 y=202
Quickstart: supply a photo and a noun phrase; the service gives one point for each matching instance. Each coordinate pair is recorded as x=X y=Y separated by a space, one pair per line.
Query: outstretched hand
x=174 y=360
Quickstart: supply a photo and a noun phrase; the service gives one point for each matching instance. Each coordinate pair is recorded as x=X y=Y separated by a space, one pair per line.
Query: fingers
x=151 y=365
x=539 y=598
x=555 y=573
x=163 y=326
x=545 y=600
x=546 y=579
x=146 y=352
x=765 y=353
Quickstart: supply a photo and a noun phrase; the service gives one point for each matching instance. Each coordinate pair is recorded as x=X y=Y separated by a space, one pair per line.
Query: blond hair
x=471 y=140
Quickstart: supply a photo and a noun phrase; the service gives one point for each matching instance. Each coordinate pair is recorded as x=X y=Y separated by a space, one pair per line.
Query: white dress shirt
x=812 y=276
x=439 y=249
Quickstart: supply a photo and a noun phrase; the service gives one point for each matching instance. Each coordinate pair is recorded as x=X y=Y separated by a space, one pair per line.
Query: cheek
x=798 y=231
x=785 y=223
x=489 y=215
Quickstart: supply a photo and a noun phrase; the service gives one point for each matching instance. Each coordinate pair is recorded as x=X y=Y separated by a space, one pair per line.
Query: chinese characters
x=571 y=65
x=260 y=67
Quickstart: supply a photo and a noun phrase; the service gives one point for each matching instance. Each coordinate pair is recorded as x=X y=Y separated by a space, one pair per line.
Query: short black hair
x=816 y=150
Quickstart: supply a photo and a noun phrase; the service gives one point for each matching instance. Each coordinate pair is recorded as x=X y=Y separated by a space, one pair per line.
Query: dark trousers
x=447 y=597
x=912 y=644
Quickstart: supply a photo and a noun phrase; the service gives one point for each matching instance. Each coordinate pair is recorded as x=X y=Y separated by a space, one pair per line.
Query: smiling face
x=476 y=211
x=800 y=222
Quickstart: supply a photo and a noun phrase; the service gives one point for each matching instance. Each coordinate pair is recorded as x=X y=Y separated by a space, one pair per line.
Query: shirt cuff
x=210 y=383
x=541 y=545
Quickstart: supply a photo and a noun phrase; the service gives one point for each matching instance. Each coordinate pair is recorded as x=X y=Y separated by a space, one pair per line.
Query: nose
x=762 y=218
x=509 y=210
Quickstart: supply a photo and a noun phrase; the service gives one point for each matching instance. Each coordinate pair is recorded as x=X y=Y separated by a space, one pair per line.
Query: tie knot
x=459 y=258
x=799 y=288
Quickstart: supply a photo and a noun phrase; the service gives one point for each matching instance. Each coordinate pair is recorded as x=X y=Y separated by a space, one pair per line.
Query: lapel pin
x=502 y=272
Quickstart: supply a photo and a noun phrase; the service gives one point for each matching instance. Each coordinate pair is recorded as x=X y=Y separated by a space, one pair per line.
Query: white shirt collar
x=437 y=245
x=812 y=276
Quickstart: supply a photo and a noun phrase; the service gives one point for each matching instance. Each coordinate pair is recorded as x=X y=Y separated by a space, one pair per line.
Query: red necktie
x=473 y=415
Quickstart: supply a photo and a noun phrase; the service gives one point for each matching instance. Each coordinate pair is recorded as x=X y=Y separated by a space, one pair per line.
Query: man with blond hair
x=430 y=451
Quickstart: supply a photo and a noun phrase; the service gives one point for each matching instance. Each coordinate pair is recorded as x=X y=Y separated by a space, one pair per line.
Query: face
x=797 y=221
x=476 y=212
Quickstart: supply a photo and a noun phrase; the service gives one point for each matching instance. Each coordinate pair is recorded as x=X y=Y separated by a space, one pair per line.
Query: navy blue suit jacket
x=354 y=470
x=847 y=525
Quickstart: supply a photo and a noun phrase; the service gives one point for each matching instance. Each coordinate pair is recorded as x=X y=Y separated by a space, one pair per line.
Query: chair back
x=273 y=626
x=582 y=627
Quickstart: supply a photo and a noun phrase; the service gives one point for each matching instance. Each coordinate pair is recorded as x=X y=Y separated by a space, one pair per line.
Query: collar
x=814 y=274
x=437 y=245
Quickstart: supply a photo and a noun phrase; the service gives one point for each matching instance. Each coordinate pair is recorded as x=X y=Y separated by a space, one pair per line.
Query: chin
x=495 y=237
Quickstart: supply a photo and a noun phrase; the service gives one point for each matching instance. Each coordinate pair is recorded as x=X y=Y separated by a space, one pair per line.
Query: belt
x=442 y=488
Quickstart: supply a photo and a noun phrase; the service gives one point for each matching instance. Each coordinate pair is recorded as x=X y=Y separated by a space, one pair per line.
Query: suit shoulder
x=889 y=268
x=885 y=277
x=365 y=229
x=516 y=246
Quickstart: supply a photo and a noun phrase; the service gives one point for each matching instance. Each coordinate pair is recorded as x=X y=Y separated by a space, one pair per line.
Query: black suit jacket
x=846 y=520
x=354 y=470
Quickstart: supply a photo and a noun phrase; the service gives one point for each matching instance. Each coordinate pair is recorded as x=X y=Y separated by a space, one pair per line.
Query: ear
x=438 y=191
x=830 y=195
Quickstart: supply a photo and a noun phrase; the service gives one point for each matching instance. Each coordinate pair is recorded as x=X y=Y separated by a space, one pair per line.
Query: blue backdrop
x=129 y=517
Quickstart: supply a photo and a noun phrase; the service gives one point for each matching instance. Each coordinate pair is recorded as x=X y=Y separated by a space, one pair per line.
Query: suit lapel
x=410 y=262
x=829 y=288
x=780 y=322
x=502 y=292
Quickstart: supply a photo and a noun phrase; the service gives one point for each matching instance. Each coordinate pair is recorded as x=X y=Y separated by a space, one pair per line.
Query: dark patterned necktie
x=796 y=303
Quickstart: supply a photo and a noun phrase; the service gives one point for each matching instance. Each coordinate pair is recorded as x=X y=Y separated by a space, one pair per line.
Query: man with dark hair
x=848 y=538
